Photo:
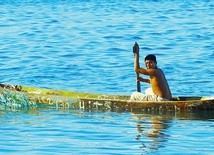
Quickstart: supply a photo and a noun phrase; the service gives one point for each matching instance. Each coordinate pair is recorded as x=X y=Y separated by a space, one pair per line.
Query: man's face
x=150 y=64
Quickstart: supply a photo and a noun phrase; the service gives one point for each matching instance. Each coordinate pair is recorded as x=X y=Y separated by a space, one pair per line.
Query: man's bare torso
x=159 y=84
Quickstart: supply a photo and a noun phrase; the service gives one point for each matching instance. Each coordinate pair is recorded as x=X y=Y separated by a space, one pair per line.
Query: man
x=160 y=88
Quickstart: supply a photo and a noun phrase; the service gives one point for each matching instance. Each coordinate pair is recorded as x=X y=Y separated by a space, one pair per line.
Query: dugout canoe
x=88 y=101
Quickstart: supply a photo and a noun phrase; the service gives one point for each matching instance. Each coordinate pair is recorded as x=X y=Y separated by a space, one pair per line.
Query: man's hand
x=143 y=80
x=136 y=48
x=140 y=79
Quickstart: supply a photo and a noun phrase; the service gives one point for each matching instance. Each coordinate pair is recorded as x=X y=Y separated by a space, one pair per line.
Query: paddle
x=135 y=48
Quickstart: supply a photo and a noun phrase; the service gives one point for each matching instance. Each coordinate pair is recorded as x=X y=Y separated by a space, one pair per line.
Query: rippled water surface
x=86 y=46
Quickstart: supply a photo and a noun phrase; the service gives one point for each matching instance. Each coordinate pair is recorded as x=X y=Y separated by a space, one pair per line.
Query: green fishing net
x=14 y=101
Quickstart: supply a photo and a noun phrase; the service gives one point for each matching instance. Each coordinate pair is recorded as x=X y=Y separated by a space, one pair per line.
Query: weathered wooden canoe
x=28 y=96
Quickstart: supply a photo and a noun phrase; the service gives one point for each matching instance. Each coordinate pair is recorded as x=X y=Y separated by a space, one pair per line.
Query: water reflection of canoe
x=87 y=101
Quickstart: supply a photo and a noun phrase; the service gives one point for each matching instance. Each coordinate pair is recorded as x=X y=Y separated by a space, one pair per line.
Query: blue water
x=86 y=46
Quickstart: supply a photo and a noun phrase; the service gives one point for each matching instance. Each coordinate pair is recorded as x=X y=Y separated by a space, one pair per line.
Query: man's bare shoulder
x=155 y=72
x=158 y=71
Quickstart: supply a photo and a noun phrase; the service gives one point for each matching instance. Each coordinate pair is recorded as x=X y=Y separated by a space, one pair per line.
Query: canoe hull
x=87 y=101
x=127 y=105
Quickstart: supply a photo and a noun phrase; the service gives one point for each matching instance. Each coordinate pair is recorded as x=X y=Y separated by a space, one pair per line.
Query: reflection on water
x=152 y=131
x=79 y=131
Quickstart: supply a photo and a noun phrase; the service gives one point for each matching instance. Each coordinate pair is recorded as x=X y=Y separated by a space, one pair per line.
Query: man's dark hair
x=151 y=57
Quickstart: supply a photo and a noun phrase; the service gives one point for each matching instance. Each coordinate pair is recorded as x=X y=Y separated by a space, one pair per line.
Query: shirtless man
x=160 y=88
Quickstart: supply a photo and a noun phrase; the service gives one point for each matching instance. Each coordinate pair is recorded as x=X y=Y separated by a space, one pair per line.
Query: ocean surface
x=86 y=46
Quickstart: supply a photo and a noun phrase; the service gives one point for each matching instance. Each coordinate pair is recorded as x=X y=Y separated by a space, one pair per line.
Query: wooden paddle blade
x=136 y=48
